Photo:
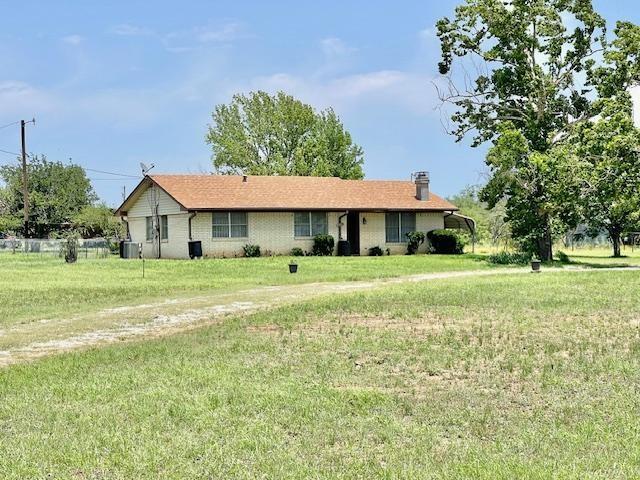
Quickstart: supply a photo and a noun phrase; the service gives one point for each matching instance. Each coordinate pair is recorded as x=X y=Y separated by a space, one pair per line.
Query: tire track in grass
x=175 y=315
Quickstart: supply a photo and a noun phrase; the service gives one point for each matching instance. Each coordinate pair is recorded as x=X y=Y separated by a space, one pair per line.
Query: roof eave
x=323 y=209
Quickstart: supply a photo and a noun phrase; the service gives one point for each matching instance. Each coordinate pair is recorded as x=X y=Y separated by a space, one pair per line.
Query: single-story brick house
x=278 y=213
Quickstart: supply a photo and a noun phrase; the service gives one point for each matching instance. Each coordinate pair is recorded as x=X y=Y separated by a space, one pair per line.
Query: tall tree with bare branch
x=516 y=76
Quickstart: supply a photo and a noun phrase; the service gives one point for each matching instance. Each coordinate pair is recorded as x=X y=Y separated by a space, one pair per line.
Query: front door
x=353 y=232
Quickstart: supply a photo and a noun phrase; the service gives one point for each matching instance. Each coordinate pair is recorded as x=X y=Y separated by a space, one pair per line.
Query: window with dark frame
x=230 y=225
x=164 y=228
x=398 y=224
x=310 y=224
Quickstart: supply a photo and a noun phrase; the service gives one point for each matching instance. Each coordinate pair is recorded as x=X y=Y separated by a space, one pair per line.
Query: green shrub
x=446 y=241
x=563 y=257
x=509 y=258
x=375 y=252
x=297 y=252
x=415 y=239
x=323 y=245
x=251 y=250
x=69 y=247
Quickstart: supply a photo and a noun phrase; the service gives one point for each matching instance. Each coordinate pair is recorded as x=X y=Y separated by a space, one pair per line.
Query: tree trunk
x=615 y=239
x=545 y=243
x=545 y=249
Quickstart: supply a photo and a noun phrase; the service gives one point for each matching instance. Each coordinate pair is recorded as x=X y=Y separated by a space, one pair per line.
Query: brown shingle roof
x=226 y=192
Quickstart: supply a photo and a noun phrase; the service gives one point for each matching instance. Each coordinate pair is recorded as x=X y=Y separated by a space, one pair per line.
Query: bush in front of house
x=251 y=250
x=376 y=251
x=509 y=258
x=414 y=240
x=323 y=245
x=297 y=252
x=446 y=241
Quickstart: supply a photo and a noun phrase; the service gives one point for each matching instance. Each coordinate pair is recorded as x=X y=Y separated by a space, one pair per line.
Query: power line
x=9 y=124
x=10 y=153
x=124 y=175
x=112 y=173
x=112 y=179
x=137 y=177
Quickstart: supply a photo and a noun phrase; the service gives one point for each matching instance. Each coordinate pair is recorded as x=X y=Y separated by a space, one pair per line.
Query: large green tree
x=515 y=77
x=607 y=147
x=57 y=192
x=607 y=155
x=263 y=134
x=98 y=221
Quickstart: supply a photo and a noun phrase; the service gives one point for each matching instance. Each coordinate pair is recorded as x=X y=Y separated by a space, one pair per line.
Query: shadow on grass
x=577 y=261
x=602 y=265
x=478 y=257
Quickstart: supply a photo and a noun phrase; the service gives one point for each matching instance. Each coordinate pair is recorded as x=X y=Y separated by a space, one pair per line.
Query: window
x=230 y=225
x=164 y=228
x=309 y=224
x=149 y=229
x=398 y=224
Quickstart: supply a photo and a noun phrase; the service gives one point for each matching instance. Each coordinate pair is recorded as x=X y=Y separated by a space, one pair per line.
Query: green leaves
x=98 y=221
x=606 y=151
x=526 y=64
x=532 y=95
x=262 y=134
x=57 y=192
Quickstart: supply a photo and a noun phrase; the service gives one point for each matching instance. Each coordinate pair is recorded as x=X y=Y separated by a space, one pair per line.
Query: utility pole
x=124 y=193
x=25 y=176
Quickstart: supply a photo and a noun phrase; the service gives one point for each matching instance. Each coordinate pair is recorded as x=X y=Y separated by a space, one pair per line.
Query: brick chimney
x=422 y=185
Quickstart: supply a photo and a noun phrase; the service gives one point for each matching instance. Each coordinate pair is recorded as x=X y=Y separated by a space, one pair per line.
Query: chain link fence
x=87 y=247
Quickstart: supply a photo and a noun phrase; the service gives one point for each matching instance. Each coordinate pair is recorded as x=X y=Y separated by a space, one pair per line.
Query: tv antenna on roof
x=145 y=168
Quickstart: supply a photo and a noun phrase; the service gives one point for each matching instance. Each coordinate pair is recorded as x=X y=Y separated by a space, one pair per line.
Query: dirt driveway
x=49 y=336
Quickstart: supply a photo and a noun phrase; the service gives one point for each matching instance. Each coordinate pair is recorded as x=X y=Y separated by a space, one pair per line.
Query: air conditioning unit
x=130 y=249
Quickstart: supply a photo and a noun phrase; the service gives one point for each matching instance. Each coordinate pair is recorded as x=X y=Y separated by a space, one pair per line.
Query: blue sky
x=112 y=84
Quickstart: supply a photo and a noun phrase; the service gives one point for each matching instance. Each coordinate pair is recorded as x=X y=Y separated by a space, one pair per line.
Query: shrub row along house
x=279 y=213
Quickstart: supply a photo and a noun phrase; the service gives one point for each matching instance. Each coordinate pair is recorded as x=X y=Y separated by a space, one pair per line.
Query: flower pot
x=293 y=267
x=535 y=266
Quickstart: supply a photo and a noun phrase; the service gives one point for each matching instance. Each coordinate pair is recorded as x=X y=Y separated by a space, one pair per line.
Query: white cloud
x=357 y=85
x=128 y=30
x=225 y=33
x=206 y=81
x=21 y=99
x=179 y=41
x=334 y=47
x=72 y=39
x=411 y=91
x=121 y=108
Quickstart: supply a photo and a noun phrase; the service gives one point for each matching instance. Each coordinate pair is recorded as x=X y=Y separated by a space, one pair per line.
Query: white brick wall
x=373 y=233
x=273 y=231
x=175 y=247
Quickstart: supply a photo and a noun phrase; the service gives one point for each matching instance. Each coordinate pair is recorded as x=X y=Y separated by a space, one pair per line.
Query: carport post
x=473 y=235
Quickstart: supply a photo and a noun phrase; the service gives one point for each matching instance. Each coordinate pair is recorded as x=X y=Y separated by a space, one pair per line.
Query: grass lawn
x=36 y=287
x=511 y=376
